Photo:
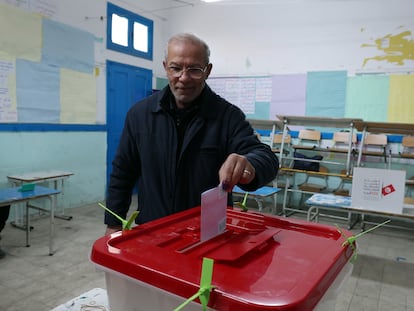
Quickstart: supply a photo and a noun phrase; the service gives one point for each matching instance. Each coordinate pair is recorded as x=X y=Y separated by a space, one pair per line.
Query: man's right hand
x=236 y=169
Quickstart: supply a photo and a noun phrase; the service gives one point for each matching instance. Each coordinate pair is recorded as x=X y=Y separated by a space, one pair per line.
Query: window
x=129 y=33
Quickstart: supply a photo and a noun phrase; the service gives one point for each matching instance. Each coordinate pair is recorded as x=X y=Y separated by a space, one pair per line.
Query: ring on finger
x=247 y=172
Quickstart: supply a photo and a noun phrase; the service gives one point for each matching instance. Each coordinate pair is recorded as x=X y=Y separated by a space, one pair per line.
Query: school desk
x=48 y=176
x=10 y=196
x=322 y=201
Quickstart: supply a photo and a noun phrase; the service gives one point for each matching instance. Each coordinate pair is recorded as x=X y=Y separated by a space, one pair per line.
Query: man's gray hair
x=191 y=38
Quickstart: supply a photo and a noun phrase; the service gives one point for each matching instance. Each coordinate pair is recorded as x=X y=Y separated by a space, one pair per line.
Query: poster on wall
x=251 y=94
x=45 y=67
x=378 y=189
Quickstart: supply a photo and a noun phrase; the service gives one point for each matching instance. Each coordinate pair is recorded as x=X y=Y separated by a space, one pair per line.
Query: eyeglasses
x=193 y=72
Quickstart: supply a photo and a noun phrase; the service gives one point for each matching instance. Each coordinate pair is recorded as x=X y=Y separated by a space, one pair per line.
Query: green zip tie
x=242 y=204
x=131 y=220
x=126 y=224
x=244 y=207
x=205 y=286
x=351 y=240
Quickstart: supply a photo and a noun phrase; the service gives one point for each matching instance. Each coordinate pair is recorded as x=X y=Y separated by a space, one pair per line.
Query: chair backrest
x=376 y=139
x=340 y=141
x=309 y=138
x=277 y=139
x=408 y=141
x=310 y=135
x=343 y=137
x=407 y=147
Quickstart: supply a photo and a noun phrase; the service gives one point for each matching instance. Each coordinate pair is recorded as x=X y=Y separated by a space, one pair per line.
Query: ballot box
x=261 y=262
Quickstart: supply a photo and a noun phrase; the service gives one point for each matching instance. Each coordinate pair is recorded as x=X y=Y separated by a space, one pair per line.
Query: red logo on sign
x=388 y=189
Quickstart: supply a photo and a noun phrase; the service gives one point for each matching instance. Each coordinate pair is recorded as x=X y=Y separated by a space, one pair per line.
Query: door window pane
x=140 y=37
x=119 y=30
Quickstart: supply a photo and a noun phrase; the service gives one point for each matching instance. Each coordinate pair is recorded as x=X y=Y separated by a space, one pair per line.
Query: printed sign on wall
x=378 y=189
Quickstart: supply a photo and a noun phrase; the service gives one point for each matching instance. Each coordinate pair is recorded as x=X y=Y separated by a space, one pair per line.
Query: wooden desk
x=385 y=127
x=55 y=176
x=319 y=121
x=10 y=196
x=342 y=203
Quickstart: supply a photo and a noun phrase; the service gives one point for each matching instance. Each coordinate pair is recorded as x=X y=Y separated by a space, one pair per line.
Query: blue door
x=125 y=86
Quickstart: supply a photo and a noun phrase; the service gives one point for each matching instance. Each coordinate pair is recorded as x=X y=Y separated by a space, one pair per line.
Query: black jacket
x=167 y=184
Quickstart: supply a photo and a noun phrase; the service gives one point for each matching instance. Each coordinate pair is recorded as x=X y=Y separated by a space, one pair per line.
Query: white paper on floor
x=93 y=300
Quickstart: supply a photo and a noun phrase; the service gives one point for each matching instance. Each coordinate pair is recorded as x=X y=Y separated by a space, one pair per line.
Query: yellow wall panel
x=401 y=99
x=20 y=33
x=77 y=97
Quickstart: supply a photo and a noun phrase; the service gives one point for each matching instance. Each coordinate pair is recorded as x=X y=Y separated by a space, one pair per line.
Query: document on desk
x=213 y=213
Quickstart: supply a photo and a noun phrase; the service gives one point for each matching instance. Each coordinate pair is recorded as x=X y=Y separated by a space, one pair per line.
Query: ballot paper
x=213 y=213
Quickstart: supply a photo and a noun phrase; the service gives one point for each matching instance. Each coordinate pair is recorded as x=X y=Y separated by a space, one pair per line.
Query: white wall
x=294 y=36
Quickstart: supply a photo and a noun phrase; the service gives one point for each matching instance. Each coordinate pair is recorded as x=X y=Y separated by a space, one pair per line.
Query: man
x=182 y=141
x=4 y=214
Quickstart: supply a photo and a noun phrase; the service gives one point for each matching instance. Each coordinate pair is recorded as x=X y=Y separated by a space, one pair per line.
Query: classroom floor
x=31 y=280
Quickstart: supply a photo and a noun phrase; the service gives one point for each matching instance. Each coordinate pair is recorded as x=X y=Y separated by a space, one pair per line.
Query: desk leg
x=309 y=216
x=52 y=201
x=285 y=197
x=62 y=215
x=52 y=223
x=27 y=225
x=362 y=222
x=19 y=217
x=351 y=224
x=259 y=204
x=18 y=224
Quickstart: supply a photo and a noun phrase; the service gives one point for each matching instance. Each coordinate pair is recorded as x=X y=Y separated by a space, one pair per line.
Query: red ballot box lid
x=261 y=262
